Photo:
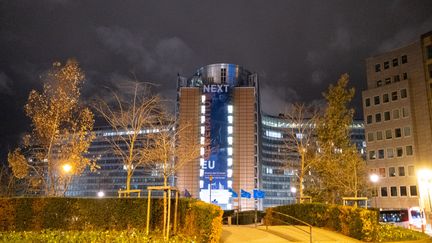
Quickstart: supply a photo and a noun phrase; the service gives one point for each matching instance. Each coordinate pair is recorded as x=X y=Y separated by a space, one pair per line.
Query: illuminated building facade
x=221 y=101
x=280 y=163
x=397 y=111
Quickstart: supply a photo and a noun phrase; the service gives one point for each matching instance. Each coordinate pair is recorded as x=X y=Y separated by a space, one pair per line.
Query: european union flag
x=245 y=194
x=233 y=193
x=258 y=193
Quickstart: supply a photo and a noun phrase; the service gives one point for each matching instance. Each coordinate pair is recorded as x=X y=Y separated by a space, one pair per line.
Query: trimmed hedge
x=85 y=236
x=358 y=223
x=199 y=220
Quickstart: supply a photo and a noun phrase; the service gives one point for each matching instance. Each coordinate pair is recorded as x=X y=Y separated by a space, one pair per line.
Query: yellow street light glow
x=67 y=168
x=374 y=178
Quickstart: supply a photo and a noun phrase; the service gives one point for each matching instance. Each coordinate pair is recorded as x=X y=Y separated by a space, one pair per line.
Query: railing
x=288 y=223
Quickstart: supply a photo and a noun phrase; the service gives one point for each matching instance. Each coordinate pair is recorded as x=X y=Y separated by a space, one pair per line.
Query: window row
x=392 y=191
x=390 y=153
x=395 y=171
x=386 y=97
x=396 y=78
x=385 y=116
x=372 y=136
x=394 y=62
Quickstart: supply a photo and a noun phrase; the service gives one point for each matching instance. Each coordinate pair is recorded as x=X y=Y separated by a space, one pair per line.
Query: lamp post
x=374 y=178
x=67 y=169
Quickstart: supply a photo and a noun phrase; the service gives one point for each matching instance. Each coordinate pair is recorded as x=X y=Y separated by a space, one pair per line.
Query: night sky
x=297 y=47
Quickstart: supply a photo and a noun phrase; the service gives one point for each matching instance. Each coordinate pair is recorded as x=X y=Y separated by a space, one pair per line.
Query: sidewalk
x=276 y=234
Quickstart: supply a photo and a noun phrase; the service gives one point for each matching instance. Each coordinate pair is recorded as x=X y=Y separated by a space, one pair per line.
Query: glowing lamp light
x=67 y=168
x=293 y=189
x=374 y=178
x=101 y=194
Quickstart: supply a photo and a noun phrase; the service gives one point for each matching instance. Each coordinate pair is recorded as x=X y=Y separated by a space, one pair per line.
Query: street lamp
x=374 y=178
x=293 y=191
x=100 y=194
x=67 y=168
x=424 y=177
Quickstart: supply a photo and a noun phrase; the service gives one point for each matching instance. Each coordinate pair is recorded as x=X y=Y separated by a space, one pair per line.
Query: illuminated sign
x=216 y=172
x=215 y=88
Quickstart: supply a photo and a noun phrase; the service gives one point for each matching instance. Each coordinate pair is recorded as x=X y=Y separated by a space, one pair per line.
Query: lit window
x=201 y=184
x=229 y=173
x=273 y=134
x=230 y=183
x=203 y=109
x=230 y=161
x=203 y=98
x=202 y=140
x=202 y=130
x=230 y=119
x=201 y=162
x=202 y=151
x=230 y=140
x=201 y=173
x=230 y=129
x=202 y=119
x=229 y=151
x=230 y=109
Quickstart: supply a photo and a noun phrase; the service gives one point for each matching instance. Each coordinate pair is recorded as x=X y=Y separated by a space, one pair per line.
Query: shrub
x=198 y=219
x=358 y=223
x=85 y=236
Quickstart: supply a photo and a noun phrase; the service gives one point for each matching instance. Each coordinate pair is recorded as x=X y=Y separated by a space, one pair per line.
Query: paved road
x=276 y=234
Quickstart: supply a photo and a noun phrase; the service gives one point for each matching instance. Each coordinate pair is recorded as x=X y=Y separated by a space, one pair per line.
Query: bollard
x=229 y=220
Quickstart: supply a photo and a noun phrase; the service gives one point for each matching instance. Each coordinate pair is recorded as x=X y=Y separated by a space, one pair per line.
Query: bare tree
x=131 y=119
x=61 y=129
x=168 y=150
x=302 y=119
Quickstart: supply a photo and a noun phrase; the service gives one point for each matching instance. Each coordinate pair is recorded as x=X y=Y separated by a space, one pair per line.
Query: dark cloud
x=5 y=83
x=297 y=47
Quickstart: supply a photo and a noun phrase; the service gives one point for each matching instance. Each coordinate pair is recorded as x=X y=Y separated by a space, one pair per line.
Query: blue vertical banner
x=215 y=164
